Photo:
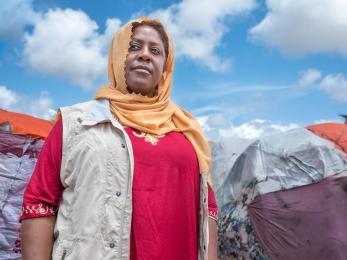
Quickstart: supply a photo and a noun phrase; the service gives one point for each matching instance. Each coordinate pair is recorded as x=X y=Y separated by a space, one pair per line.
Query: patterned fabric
x=236 y=238
x=38 y=210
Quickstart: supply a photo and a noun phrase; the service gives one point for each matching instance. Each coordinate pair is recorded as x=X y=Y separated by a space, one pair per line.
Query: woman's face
x=145 y=62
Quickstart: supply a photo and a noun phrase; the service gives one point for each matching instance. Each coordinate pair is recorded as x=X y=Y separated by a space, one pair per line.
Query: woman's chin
x=143 y=90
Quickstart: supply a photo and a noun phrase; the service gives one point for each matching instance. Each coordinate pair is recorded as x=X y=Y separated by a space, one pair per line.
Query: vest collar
x=98 y=112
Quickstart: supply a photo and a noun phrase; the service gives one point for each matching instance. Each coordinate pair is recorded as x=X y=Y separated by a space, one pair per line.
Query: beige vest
x=94 y=218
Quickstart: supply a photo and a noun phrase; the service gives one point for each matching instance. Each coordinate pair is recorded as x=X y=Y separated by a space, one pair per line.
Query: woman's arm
x=37 y=238
x=212 y=241
x=41 y=199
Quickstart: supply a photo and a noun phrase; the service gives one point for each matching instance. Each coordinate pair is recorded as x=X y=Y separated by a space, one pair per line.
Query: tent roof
x=334 y=132
x=26 y=125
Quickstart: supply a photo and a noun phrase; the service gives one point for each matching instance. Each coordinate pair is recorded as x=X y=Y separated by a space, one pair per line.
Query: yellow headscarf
x=154 y=115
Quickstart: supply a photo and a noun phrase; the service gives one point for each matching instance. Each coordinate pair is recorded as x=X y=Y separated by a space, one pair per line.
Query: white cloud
x=112 y=25
x=304 y=27
x=335 y=85
x=218 y=108
x=197 y=28
x=15 y=15
x=7 y=97
x=217 y=127
x=66 y=44
x=309 y=77
x=255 y=129
x=40 y=106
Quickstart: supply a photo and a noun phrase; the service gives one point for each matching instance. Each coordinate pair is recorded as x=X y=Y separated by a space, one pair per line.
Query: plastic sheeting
x=277 y=162
x=18 y=156
x=303 y=223
x=224 y=155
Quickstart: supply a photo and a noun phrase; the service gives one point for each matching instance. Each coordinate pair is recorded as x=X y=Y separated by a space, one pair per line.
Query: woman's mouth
x=142 y=69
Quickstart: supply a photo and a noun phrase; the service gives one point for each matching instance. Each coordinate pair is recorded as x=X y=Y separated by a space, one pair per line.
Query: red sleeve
x=212 y=204
x=43 y=193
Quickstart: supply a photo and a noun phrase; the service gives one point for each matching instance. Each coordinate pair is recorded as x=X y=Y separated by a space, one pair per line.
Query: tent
x=21 y=140
x=277 y=180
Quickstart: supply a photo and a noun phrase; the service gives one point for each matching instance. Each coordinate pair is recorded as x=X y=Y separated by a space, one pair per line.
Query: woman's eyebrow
x=150 y=42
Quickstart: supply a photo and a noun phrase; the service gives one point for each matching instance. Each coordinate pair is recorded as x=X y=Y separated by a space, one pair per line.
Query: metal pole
x=345 y=117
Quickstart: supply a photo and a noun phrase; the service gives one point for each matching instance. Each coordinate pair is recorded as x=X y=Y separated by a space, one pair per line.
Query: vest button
x=118 y=193
x=112 y=245
x=123 y=145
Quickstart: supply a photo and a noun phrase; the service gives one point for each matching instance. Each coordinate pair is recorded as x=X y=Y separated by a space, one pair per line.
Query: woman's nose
x=145 y=54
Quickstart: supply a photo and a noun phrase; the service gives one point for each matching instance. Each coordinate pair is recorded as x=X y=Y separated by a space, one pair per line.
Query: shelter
x=271 y=197
x=21 y=140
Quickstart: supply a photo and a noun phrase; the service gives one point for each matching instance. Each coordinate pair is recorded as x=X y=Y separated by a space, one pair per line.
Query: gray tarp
x=272 y=163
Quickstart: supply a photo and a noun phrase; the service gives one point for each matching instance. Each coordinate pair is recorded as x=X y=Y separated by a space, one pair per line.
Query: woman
x=129 y=171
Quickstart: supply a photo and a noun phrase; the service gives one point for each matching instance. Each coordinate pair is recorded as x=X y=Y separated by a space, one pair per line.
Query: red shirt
x=165 y=193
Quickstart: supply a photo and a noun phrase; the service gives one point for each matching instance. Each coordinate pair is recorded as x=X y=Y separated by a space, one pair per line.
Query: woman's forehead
x=147 y=33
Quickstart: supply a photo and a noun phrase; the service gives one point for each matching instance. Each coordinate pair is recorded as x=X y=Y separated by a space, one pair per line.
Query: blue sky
x=244 y=68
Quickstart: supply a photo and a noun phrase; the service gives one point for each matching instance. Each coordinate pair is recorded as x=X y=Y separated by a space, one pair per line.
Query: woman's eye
x=156 y=51
x=134 y=46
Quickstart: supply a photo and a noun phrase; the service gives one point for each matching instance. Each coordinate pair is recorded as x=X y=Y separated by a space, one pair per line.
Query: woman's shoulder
x=89 y=109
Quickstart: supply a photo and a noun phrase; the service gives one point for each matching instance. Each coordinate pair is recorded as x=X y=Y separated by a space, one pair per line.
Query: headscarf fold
x=156 y=115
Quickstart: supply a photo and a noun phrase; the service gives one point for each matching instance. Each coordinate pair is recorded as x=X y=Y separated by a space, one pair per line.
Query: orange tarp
x=26 y=125
x=334 y=132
